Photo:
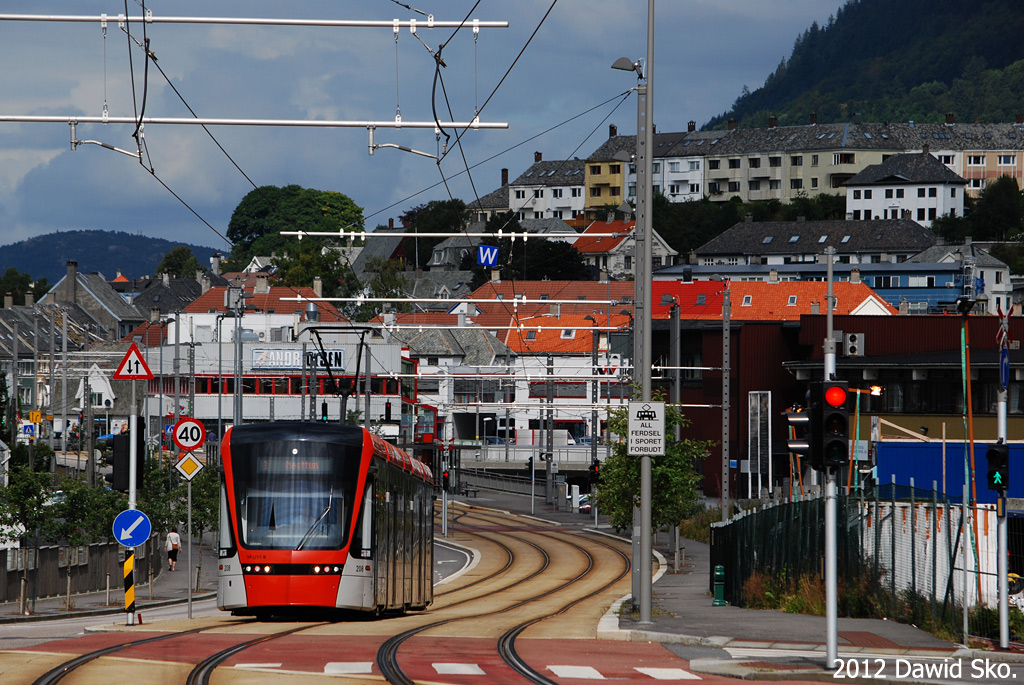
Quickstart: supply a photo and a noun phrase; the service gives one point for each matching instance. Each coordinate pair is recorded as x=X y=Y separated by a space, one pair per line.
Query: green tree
x=179 y=263
x=18 y=284
x=310 y=258
x=258 y=220
x=205 y=507
x=674 y=477
x=437 y=216
x=388 y=280
x=83 y=514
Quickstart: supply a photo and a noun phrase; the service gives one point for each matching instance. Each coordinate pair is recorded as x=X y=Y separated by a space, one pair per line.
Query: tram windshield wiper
x=323 y=515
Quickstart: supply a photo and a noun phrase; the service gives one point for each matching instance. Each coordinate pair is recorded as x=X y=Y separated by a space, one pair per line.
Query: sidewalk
x=168 y=588
x=683 y=614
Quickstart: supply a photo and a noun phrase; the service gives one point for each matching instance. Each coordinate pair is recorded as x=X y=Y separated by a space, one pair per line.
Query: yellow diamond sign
x=189 y=466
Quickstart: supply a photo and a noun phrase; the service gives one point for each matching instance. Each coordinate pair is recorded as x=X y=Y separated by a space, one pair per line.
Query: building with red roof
x=610 y=246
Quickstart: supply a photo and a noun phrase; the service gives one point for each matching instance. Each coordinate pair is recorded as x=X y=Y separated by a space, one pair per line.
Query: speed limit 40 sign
x=189 y=434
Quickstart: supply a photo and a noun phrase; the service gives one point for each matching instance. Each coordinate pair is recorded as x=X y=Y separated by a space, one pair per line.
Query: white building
x=549 y=190
x=911 y=186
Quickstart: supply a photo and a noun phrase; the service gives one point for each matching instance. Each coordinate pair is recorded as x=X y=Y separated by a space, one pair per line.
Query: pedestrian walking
x=172 y=546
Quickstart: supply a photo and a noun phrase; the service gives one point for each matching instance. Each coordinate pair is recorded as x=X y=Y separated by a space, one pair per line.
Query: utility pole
x=726 y=390
x=831 y=575
x=549 y=478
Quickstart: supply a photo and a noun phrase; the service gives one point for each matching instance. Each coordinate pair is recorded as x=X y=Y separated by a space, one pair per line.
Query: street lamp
x=642 y=294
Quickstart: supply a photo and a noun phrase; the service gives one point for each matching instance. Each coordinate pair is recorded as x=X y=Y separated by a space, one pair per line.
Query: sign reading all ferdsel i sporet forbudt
x=647 y=428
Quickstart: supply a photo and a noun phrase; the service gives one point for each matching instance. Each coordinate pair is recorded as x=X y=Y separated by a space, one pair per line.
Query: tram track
x=388 y=654
x=511 y=532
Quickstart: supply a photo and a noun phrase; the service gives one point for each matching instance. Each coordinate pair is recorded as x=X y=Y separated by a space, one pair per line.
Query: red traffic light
x=835 y=396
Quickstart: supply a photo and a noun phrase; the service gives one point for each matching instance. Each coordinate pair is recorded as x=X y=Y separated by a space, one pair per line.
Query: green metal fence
x=902 y=553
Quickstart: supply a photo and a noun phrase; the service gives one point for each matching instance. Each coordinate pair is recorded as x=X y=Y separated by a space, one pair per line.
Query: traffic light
x=998 y=456
x=445 y=479
x=529 y=465
x=835 y=423
x=121 y=463
x=801 y=441
x=323 y=412
x=595 y=471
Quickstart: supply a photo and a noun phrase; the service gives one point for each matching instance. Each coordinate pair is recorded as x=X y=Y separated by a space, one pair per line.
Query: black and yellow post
x=129 y=585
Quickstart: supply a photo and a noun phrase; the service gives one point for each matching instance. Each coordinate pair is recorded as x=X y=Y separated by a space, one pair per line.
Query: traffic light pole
x=831 y=580
x=1001 y=537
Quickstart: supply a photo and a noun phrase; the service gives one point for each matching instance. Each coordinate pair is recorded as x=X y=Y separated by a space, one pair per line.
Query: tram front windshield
x=294 y=495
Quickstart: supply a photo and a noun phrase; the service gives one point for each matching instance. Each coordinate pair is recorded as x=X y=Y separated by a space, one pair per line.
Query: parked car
x=494 y=440
x=587 y=440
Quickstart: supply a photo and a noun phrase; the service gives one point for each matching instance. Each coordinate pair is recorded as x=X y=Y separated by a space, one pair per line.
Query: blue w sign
x=486 y=255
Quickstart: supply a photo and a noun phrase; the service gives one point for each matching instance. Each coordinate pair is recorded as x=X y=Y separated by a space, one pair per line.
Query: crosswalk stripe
x=576 y=672
x=342 y=667
x=667 y=673
x=457 y=669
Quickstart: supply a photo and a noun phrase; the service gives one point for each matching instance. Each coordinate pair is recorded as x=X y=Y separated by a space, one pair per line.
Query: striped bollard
x=129 y=585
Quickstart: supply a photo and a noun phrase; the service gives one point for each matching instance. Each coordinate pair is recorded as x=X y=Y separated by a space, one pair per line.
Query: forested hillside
x=898 y=60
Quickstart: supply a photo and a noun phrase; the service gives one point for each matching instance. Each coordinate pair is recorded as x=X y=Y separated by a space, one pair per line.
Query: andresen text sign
x=647 y=428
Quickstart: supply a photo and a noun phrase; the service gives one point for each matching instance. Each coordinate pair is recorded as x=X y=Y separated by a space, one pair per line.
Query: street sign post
x=133 y=366
x=189 y=434
x=647 y=428
x=132 y=528
x=189 y=466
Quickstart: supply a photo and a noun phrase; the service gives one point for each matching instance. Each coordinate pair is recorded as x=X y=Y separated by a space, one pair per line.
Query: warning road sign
x=133 y=366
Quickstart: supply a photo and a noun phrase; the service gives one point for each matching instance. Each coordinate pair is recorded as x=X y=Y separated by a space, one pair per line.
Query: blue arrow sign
x=132 y=528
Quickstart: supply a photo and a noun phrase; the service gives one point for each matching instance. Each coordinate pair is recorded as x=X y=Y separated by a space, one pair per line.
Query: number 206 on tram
x=322 y=516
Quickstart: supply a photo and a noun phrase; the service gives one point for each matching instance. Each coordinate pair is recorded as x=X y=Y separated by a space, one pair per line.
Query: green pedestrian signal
x=998 y=456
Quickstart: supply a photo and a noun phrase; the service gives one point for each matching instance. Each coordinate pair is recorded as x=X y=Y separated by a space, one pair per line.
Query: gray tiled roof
x=545 y=226
x=169 y=297
x=554 y=173
x=496 y=199
x=430 y=284
x=777 y=237
x=914 y=168
x=938 y=253
x=96 y=284
x=382 y=248
x=475 y=346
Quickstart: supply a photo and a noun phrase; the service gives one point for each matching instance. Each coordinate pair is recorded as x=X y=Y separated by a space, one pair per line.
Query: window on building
x=520 y=194
x=920 y=213
x=673 y=166
x=796 y=160
x=1007 y=160
x=614 y=168
x=754 y=162
x=767 y=239
x=792 y=301
x=775 y=161
x=887 y=281
x=538 y=192
x=946 y=159
x=856 y=215
x=976 y=184
x=576 y=192
x=774 y=184
x=531 y=335
x=656 y=168
x=867 y=194
x=556 y=213
x=656 y=189
x=628 y=262
x=520 y=215
x=888 y=193
x=814 y=160
x=920 y=192
x=714 y=164
x=734 y=186
x=814 y=181
x=695 y=188
x=794 y=238
x=856 y=195
x=933 y=192
x=754 y=185
x=843 y=158
x=796 y=183
x=899 y=192
x=595 y=191
x=656 y=260
x=747 y=300
x=694 y=165
x=568 y=334
x=556 y=192
x=921 y=281
x=845 y=239
x=615 y=191
x=595 y=169
x=952 y=192
x=714 y=187
x=932 y=213
x=734 y=163
x=975 y=160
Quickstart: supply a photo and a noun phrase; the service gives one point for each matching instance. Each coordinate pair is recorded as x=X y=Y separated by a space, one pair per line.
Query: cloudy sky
x=705 y=52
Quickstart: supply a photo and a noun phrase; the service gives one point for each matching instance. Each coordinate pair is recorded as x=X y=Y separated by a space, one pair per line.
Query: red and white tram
x=322 y=516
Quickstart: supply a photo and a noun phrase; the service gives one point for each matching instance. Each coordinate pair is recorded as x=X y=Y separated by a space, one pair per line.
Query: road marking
x=257 y=665
x=458 y=669
x=576 y=672
x=667 y=673
x=341 y=667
